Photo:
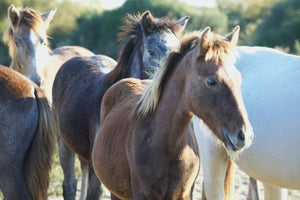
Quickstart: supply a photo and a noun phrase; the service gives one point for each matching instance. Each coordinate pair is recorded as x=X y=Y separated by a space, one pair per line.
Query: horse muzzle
x=238 y=140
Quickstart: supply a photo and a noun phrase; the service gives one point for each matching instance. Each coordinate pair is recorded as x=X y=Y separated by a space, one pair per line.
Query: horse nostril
x=241 y=135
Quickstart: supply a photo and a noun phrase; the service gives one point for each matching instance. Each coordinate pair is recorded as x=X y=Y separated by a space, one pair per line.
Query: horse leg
x=213 y=161
x=67 y=161
x=94 y=186
x=274 y=193
x=84 y=179
x=253 y=190
x=12 y=184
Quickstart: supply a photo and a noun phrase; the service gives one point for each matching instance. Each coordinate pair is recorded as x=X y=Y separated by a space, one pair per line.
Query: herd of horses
x=129 y=120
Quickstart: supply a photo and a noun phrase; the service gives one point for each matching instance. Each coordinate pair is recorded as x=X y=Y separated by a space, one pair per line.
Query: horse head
x=27 y=40
x=158 y=42
x=209 y=83
x=149 y=41
x=214 y=87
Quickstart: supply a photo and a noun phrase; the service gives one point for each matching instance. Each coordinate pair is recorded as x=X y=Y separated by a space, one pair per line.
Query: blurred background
x=94 y=24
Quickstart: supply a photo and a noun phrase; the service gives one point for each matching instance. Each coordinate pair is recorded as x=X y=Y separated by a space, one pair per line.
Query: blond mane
x=216 y=48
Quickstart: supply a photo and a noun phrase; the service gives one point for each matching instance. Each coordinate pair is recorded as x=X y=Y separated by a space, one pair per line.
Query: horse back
x=72 y=51
x=124 y=92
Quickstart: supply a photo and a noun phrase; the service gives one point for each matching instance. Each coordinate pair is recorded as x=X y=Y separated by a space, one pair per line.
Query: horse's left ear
x=234 y=35
x=183 y=22
x=146 y=20
x=49 y=16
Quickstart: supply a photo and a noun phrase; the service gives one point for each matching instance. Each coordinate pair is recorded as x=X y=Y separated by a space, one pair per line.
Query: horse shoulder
x=126 y=91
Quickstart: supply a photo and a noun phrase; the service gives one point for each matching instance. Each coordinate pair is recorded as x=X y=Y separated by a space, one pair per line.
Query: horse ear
x=204 y=42
x=49 y=16
x=183 y=22
x=234 y=35
x=146 y=20
x=13 y=16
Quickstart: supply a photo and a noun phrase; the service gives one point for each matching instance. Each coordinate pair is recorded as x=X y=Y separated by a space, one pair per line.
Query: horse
x=145 y=147
x=271 y=94
x=82 y=81
x=27 y=138
x=28 y=47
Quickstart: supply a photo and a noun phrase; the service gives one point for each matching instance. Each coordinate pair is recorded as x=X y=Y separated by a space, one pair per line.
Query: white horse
x=271 y=93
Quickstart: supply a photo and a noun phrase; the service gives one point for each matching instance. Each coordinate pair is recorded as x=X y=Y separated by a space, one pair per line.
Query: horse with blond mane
x=271 y=94
x=82 y=81
x=145 y=147
x=27 y=138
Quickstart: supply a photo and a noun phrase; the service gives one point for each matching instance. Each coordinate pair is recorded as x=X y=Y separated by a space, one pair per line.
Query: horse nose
x=240 y=139
x=236 y=140
x=241 y=136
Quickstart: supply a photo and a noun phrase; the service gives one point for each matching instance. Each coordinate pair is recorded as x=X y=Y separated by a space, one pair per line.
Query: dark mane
x=132 y=35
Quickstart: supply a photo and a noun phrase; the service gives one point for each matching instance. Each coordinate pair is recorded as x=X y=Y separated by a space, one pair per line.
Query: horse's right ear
x=146 y=20
x=183 y=22
x=203 y=45
x=49 y=16
x=234 y=35
x=13 y=16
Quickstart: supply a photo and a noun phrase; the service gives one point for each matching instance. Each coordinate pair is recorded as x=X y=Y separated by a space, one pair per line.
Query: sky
x=110 y=4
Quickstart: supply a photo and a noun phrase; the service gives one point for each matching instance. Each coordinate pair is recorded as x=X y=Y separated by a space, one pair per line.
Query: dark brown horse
x=82 y=81
x=26 y=138
x=145 y=148
x=28 y=47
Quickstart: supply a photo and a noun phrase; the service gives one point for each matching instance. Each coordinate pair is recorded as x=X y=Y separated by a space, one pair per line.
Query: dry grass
x=56 y=176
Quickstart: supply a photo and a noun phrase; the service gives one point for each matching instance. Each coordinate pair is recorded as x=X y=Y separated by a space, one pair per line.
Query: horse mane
x=30 y=18
x=216 y=49
x=132 y=35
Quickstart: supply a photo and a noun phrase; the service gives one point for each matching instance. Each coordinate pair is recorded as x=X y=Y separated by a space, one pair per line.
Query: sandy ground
x=240 y=193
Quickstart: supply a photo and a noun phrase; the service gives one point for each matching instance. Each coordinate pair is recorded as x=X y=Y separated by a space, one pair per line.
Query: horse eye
x=211 y=82
x=151 y=53
x=42 y=41
x=18 y=44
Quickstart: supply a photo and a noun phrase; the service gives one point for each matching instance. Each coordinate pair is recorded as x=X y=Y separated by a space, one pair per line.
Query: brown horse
x=145 y=148
x=26 y=138
x=82 y=81
x=28 y=47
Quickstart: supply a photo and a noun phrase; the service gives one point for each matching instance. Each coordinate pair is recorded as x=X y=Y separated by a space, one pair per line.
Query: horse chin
x=233 y=152
x=234 y=155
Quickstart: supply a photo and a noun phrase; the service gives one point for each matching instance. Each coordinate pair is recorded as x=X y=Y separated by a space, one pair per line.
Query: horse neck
x=172 y=116
x=130 y=64
x=135 y=64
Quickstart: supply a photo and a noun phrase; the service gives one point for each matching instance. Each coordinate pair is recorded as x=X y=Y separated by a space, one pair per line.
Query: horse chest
x=160 y=176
